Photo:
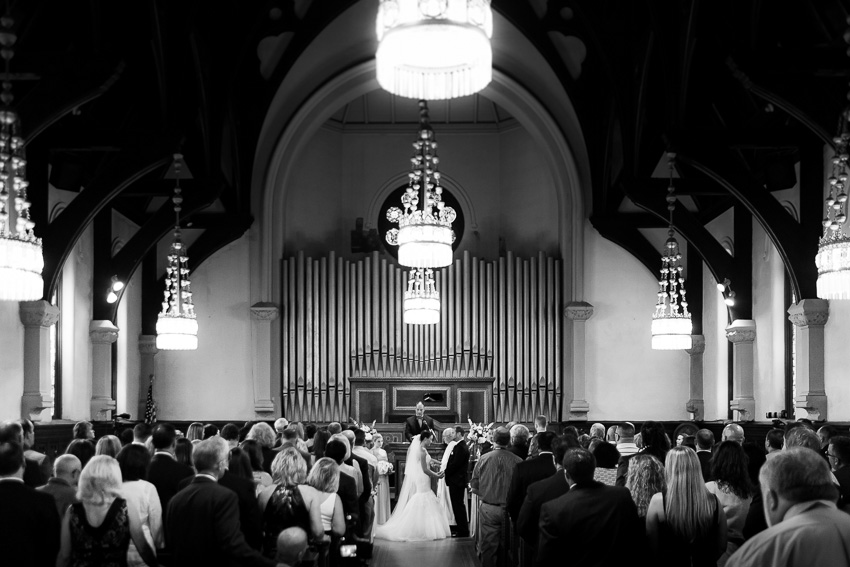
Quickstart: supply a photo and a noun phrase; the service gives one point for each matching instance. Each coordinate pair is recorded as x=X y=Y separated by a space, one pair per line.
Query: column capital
x=147 y=344
x=578 y=311
x=809 y=312
x=38 y=313
x=103 y=332
x=697 y=345
x=264 y=311
x=741 y=331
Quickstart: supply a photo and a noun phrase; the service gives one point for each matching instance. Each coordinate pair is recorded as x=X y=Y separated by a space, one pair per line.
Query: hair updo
x=426 y=434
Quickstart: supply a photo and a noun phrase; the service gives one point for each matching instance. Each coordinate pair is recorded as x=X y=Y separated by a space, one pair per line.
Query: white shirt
x=627 y=448
x=143 y=500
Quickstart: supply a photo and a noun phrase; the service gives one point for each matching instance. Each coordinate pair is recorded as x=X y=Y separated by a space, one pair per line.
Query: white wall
x=129 y=322
x=12 y=357
x=715 y=318
x=626 y=379
x=837 y=333
x=76 y=305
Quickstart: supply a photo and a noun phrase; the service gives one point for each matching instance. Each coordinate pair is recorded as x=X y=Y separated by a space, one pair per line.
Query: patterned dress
x=285 y=509
x=102 y=546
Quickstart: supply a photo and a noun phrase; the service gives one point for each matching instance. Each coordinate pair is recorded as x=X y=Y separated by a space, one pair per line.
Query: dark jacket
x=526 y=473
x=457 y=468
x=538 y=493
x=250 y=518
x=412 y=429
x=29 y=526
x=63 y=493
x=705 y=464
x=347 y=492
x=165 y=473
x=363 y=465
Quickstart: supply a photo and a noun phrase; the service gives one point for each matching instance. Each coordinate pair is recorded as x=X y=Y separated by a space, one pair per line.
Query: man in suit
x=704 y=443
x=63 y=484
x=528 y=472
x=603 y=518
x=539 y=493
x=367 y=508
x=838 y=453
x=541 y=424
x=33 y=457
x=457 y=472
x=202 y=526
x=165 y=473
x=347 y=490
x=414 y=424
x=29 y=523
x=34 y=474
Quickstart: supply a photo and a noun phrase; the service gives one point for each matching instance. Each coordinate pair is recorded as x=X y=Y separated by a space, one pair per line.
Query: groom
x=456 y=481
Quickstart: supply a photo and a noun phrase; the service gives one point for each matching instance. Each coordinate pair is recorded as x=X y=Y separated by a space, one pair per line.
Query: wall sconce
x=115 y=288
x=725 y=287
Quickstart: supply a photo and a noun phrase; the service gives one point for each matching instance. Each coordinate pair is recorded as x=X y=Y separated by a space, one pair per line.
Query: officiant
x=414 y=424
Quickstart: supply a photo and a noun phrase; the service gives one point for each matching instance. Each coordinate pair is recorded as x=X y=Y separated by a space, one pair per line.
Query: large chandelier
x=421 y=300
x=21 y=259
x=177 y=327
x=434 y=49
x=833 y=257
x=425 y=235
x=671 y=322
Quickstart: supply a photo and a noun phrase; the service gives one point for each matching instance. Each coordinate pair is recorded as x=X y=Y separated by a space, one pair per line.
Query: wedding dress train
x=418 y=515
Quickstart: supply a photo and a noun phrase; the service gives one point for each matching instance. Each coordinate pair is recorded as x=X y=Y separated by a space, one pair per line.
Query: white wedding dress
x=418 y=514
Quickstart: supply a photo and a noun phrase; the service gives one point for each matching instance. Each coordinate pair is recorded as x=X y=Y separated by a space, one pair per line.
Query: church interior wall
x=837 y=360
x=715 y=318
x=12 y=357
x=129 y=359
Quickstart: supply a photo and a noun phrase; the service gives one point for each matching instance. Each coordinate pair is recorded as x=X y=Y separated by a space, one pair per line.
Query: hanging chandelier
x=671 y=322
x=21 y=258
x=833 y=257
x=177 y=327
x=424 y=237
x=434 y=49
x=421 y=300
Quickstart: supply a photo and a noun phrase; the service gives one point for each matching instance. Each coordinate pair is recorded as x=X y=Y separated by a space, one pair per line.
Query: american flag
x=150 y=405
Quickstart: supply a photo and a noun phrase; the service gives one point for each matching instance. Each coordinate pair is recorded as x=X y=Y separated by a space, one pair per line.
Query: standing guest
x=806 y=528
x=825 y=433
x=108 y=445
x=597 y=431
x=361 y=467
x=541 y=424
x=490 y=481
x=255 y=454
x=645 y=479
x=165 y=473
x=230 y=433
x=195 y=432
x=83 y=449
x=291 y=546
x=309 y=433
x=690 y=442
x=334 y=427
x=210 y=430
x=202 y=523
x=611 y=435
x=262 y=433
x=63 y=484
x=347 y=491
x=442 y=490
x=733 y=432
x=359 y=451
x=607 y=457
x=519 y=441
x=528 y=472
x=382 y=496
x=685 y=524
x=13 y=432
x=239 y=464
x=29 y=523
x=839 y=460
x=126 y=436
x=732 y=487
x=539 y=493
x=457 y=472
x=773 y=442
x=626 y=439
x=280 y=425
x=655 y=442
x=96 y=532
x=38 y=461
x=324 y=477
x=141 y=433
x=360 y=473
x=142 y=498
x=414 y=424
x=290 y=439
x=320 y=441
x=602 y=518
x=83 y=430
x=183 y=452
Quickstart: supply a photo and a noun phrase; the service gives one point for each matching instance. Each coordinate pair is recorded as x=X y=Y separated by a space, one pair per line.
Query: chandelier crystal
x=424 y=237
x=671 y=322
x=21 y=258
x=421 y=300
x=434 y=49
x=833 y=257
x=176 y=326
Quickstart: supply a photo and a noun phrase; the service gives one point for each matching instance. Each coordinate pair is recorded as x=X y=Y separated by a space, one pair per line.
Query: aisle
x=451 y=552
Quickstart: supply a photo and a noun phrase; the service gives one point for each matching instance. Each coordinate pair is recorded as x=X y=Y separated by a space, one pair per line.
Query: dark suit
x=202 y=528
x=526 y=473
x=412 y=427
x=705 y=463
x=63 y=493
x=29 y=526
x=457 y=474
x=38 y=469
x=363 y=465
x=592 y=524
x=842 y=475
x=538 y=493
x=347 y=492
x=165 y=473
x=250 y=519
x=520 y=451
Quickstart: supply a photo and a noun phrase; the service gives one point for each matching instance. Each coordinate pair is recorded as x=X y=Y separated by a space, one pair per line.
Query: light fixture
x=725 y=287
x=833 y=257
x=21 y=258
x=425 y=235
x=115 y=288
x=421 y=300
x=177 y=327
x=434 y=49
x=671 y=322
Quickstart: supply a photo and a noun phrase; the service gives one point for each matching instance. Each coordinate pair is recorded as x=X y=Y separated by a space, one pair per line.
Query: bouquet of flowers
x=369 y=430
x=385 y=467
x=478 y=434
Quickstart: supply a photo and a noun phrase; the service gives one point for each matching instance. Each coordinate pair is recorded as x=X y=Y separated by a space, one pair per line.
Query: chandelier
x=671 y=322
x=434 y=49
x=424 y=237
x=21 y=259
x=421 y=300
x=176 y=326
x=833 y=257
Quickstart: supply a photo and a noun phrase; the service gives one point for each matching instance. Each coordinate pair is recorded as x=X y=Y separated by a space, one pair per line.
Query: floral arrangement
x=385 y=467
x=478 y=433
x=369 y=430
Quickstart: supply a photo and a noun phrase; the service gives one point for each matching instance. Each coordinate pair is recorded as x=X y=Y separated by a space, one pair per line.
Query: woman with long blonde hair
x=685 y=524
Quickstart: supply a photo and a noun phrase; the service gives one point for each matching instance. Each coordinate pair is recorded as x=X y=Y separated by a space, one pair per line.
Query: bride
x=418 y=515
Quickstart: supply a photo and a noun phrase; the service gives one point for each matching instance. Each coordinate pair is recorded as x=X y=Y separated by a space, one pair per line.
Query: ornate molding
x=578 y=311
x=809 y=312
x=38 y=313
x=579 y=410
x=813 y=406
x=103 y=332
x=147 y=344
x=746 y=408
x=264 y=311
x=697 y=408
x=697 y=345
x=741 y=331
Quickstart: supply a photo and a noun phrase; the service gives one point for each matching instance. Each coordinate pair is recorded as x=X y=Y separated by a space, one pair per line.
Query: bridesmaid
x=382 y=498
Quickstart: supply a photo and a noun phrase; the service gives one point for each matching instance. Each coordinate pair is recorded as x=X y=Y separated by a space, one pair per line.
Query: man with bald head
x=414 y=424
x=733 y=432
x=805 y=526
x=291 y=546
x=63 y=484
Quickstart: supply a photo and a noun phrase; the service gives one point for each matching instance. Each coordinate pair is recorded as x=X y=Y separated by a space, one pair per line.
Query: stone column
x=810 y=316
x=262 y=315
x=147 y=369
x=103 y=334
x=578 y=312
x=742 y=333
x=37 y=317
x=696 y=403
